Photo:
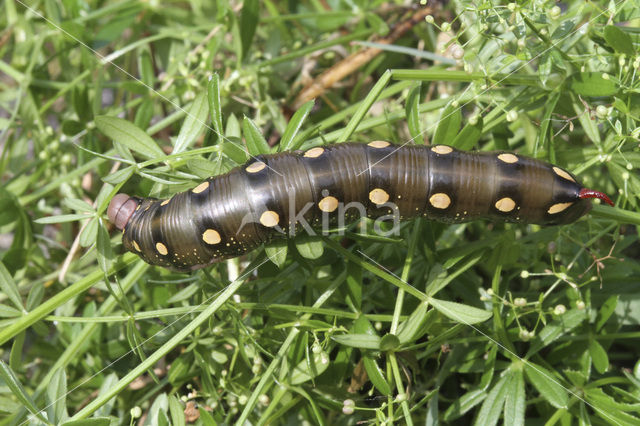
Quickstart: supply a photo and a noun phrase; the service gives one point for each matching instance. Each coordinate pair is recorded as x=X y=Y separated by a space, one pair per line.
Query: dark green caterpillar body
x=281 y=194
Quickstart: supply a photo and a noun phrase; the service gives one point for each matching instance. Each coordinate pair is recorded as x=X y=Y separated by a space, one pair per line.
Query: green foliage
x=474 y=323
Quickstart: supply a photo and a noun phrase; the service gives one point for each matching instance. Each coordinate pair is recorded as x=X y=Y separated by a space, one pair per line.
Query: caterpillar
x=279 y=194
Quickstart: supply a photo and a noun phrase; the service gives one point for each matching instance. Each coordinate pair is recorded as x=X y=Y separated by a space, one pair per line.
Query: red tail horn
x=590 y=193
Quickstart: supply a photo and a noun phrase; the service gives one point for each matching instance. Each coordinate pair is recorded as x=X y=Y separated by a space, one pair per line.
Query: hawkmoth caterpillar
x=278 y=194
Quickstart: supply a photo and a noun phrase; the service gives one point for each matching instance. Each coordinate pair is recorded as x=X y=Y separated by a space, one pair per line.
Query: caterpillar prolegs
x=280 y=194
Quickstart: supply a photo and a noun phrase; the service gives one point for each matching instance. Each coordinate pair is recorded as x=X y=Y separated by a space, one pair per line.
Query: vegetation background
x=469 y=323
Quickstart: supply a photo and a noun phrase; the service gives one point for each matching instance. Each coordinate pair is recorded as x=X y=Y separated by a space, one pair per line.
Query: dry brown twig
x=354 y=61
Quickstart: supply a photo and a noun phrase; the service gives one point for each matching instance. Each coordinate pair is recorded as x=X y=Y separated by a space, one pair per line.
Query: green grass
x=472 y=323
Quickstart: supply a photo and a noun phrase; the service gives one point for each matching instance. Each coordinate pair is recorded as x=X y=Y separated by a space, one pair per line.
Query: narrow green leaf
x=80 y=100
x=413 y=115
x=7 y=311
x=371 y=97
x=176 y=411
x=489 y=368
x=157 y=414
x=193 y=125
x=72 y=127
x=203 y=168
x=354 y=284
x=515 y=404
x=89 y=234
x=361 y=341
x=144 y=114
x=598 y=356
x=621 y=106
x=466 y=263
x=376 y=375
x=233 y=148
x=256 y=143
x=545 y=65
x=63 y=218
x=215 y=107
x=11 y=381
x=9 y=207
x=78 y=205
x=619 y=40
x=179 y=369
x=433 y=408
x=309 y=247
x=589 y=125
x=103 y=244
x=362 y=325
x=547 y=385
x=463 y=404
x=616 y=214
x=94 y=421
x=410 y=329
x=606 y=310
x=288 y=141
x=372 y=237
x=277 y=252
x=120 y=176
x=493 y=403
x=206 y=417
x=448 y=124
x=126 y=133
x=9 y=287
x=249 y=17
x=108 y=382
x=563 y=30
x=304 y=372
x=544 y=140
x=469 y=135
x=17 y=348
x=592 y=84
x=607 y=403
x=389 y=342
x=458 y=312
x=57 y=397
x=233 y=128
x=145 y=65
x=634 y=380
x=557 y=328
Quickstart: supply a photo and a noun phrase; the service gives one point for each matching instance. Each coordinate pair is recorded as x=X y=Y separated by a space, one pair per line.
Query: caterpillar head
x=121 y=209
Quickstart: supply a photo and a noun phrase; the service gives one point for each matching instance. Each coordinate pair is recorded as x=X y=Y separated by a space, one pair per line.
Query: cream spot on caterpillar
x=557 y=208
x=211 y=236
x=328 y=204
x=198 y=189
x=256 y=167
x=379 y=144
x=165 y=202
x=563 y=174
x=442 y=149
x=136 y=246
x=269 y=218
x=162 y=249
x=314 y=152
x=505 y=204
x=378 y=196
x=508 y=158
x=440 y=200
